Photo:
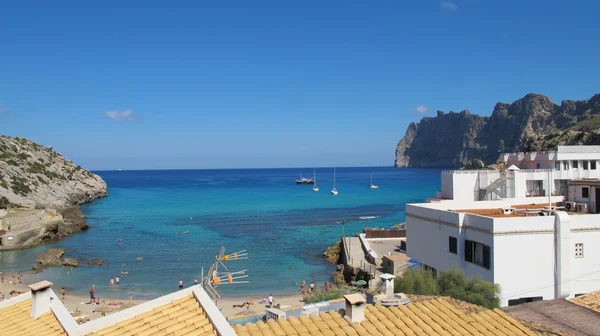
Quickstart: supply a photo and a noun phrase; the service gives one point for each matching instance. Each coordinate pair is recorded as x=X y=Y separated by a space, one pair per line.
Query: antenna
x=216 y=277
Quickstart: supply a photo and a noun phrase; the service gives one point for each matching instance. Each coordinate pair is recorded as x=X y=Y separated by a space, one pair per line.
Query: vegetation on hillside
x=452 y=283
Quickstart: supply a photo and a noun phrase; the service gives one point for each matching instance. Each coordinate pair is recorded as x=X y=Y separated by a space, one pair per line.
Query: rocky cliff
x=533 y=122
x=36 y=177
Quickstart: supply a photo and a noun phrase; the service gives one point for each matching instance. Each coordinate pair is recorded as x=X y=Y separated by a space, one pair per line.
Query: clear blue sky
x=275 y=83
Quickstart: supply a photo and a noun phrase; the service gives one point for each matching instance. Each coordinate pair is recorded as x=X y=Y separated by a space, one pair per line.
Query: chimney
x=355 y=307
x=40 y=298
x=387 y=284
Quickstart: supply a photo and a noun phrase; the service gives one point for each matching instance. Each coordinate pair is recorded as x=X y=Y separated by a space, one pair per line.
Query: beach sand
x=79 y=303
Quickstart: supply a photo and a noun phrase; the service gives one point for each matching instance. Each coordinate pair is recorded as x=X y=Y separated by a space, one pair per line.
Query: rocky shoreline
x=40 y=194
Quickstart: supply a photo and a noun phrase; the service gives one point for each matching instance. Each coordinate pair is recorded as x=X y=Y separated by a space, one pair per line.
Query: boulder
x=72 y=262
x=51 y=257
x=332 y=253
x=97 y=262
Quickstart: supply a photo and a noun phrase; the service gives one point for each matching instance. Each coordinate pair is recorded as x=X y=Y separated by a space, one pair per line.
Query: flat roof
x=519 y=210
x=397 y=257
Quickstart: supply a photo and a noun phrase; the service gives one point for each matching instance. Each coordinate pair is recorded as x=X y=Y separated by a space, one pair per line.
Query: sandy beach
x=79 y=304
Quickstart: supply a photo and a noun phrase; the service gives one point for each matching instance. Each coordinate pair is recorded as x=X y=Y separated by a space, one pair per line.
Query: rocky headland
x=40 y=193
x=532 y=123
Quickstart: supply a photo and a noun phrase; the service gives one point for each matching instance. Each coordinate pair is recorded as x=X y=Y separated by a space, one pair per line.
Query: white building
x=528 y=175
x=497 y=225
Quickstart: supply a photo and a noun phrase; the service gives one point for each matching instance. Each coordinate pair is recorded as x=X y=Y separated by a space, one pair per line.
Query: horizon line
x=322 y=167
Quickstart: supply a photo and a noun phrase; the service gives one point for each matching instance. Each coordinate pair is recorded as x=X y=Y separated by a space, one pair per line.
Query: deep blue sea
x=281 y=224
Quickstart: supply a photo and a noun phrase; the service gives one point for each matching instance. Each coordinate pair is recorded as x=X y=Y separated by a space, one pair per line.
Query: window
x=537 y=166
x=585 y=192
x=428 y=268
x=585 y=165
x=578 y=250
x=452 y=245
x=575 y=164
x=557 y=165
x=593 y=165
x=477 y=253
x=515 y=302
x=565 y=165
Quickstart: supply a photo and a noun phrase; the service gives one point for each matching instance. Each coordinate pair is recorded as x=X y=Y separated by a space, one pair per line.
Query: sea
x=263 y=212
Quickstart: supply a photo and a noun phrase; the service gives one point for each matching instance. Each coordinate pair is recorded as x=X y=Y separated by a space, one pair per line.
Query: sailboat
x=371 y=185
x=334 y=191
x=315 y=187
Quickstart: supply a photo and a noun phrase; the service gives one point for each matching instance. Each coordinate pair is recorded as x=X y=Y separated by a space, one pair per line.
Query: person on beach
x=302 y=284
x=303 y=292
x=92 y=294
x=19 y=276
x=195 y=281
x=63 y=293
x=117 y=280
x=180 y=284
x=271 y=300
x=2 y=276
x=112 y=281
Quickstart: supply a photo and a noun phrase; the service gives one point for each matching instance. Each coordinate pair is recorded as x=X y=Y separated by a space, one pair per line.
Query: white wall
x=575 y=195
x=464 y=186
x=585 y=272
x=447 y=186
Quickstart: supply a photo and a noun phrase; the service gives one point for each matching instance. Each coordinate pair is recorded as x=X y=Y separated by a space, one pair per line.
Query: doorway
x=597 y=200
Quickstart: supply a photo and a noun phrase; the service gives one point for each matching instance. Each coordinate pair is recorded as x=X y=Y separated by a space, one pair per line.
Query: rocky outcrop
x=96 y=262
x=533 y=122
x=36 y=177
x=332 y=253
x=51 y=257
x=71 y=262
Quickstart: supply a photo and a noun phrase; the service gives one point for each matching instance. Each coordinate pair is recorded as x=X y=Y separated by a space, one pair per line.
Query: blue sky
x=157 y=84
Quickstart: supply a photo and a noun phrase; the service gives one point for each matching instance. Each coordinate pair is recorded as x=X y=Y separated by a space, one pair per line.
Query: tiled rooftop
x=183 y=316
x=16 y=320
x=589 y=300
x=423 y=318
x=522 y=210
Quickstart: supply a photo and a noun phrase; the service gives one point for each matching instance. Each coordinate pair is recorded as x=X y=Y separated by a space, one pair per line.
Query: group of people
x=12 y=275
x=312 y=287
x=114 y=281
x=181 y=282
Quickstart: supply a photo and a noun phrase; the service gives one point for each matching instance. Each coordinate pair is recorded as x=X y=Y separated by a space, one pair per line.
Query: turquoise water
x=281 y=224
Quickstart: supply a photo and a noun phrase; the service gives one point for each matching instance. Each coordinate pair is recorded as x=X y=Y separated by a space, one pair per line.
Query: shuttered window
x=452 y=245
x=477 y=253
x=468 y=251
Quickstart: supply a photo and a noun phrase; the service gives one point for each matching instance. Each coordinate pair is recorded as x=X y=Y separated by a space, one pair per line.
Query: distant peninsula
x=40 y=193
x=532 y=123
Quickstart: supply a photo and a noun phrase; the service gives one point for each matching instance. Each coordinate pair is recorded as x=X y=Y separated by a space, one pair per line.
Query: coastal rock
x=51 y=257
x=332 y=253
x=96 y=262
x=532 y=123
x=72 y=262
x=43 y=191
x=34 y=176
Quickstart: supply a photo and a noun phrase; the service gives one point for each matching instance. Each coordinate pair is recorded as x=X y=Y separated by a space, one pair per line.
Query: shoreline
x=78 y=303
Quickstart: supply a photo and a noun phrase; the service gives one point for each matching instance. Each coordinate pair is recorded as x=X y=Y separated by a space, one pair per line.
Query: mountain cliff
x=533 y=122
x=40 y=193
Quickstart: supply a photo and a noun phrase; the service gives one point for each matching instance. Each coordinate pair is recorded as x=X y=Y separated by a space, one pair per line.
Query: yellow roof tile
x=183 y=316
x=17 y=320
x=589 y=300
x=435 y=317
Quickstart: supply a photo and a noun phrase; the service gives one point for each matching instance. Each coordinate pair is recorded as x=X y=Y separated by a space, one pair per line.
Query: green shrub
x=3 y=184
x=4 y=203
x=5 y=156
x=452 y=283
x=416 y=281
x=12 y=162
x=19 y=186
x=320 y=295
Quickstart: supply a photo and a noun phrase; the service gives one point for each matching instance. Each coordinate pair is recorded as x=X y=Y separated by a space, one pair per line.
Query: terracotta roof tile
x=16 y=320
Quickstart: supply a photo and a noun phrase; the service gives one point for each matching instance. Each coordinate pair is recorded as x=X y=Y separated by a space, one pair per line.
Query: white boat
x=371 y=185
x=315 y=187
x=334 y=191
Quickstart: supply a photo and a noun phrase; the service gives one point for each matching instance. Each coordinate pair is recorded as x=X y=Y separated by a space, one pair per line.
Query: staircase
x=497 y=187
